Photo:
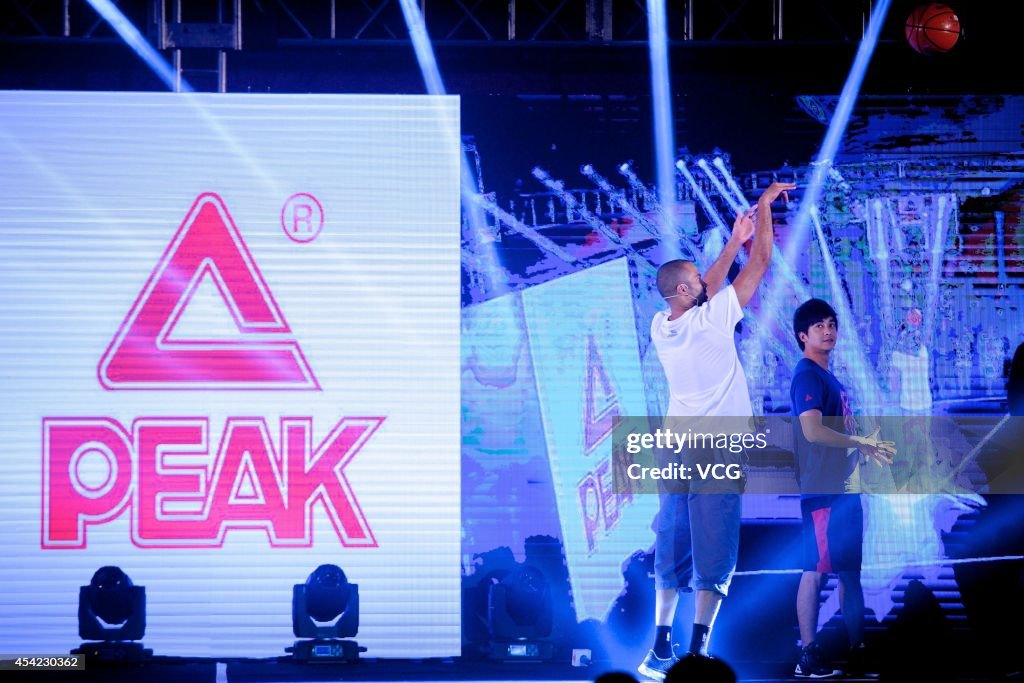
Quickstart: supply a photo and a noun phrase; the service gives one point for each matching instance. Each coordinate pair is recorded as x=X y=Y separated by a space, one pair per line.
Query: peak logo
x=180 y=495
x=142 y=355
x=179 y=490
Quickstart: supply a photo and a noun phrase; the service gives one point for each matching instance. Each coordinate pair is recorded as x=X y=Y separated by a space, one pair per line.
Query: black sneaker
x=654 y=667
x=812 y=666
x=857 y=664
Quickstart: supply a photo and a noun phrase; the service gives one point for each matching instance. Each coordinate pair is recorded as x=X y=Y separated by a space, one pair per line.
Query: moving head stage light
x=520 y=616
x=112 y=613
x=325 y=610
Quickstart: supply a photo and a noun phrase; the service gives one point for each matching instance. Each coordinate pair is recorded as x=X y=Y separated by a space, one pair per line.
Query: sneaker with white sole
x=654 y=667
x=812 y=665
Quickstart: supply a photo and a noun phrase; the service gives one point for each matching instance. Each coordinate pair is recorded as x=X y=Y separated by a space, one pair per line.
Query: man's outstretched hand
x=773 y=192
x=743 y=226
x=873 y=449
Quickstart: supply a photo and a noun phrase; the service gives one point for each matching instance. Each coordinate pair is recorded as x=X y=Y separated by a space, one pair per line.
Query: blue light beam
x=731 y=182
x=715 y=242
x=836 y=129
x=664 y=134
x=734 y=205
x=851 y=347
x=471 y=202
x=618 y=197
x=558 y=187
x=130 y=35
x=801 y=226
x=525 y=230
x=638 y=187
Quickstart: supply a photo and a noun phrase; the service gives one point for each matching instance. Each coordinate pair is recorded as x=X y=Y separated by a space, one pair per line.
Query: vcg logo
x=181 y=486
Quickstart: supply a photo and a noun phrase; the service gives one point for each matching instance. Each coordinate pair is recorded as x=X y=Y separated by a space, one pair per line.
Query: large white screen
x=587 y=366
x=152 y=266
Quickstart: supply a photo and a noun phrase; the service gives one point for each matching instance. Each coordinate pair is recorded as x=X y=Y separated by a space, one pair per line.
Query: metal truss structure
x=486 y=21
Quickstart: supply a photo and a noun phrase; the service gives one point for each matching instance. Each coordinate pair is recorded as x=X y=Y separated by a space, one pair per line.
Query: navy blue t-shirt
x=821 y=470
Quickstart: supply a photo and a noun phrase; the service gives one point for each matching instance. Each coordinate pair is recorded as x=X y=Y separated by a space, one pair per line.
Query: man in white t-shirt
x=915 y=468
x=911 y=365
x=697 y=534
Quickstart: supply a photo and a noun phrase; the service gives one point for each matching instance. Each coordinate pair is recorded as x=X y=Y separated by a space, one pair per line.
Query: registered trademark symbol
x=302 y=217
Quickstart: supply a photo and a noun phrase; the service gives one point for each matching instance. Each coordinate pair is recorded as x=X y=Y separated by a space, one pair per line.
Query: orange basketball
x=932 y=28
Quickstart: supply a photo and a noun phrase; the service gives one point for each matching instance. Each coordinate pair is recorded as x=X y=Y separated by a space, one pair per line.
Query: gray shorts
x=697 y=535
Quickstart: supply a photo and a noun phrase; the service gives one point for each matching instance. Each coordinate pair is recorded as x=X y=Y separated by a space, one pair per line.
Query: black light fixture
x=112 y=614
x=325 y=610
x=520 y=616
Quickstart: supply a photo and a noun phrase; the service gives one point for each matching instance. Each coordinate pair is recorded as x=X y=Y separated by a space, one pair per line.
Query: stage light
x=800 y=228
x=640 y=190
x=325 y=610
x=938 y=242
x=719 y=163
x=836 y=128
x=133 y=38
x=112 y=613
x=522 y=228
x=729 y=199
x=483 y=254
x=617 y=196
x=713 y=245
x=664 y=128
x=573 y=204
x=520 y=616
x=862 y=373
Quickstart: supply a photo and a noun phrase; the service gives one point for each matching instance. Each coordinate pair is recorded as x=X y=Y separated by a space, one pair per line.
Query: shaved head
x=672 y=274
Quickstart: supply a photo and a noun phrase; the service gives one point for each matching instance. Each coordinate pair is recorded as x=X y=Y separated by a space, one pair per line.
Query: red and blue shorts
x=833 y=533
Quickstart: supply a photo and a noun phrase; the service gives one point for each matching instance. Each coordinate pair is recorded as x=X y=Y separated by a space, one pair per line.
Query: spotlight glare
x=860 y=371
x=558 y=187
x=490 y=265
x=664 y=134
x=130 y=35
x=836 y=128
x=617 y=196
x=734 y=205
x=800 y=228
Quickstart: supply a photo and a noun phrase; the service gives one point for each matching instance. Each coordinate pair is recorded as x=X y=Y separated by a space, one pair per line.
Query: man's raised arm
x=742 y=230
x=764 y=240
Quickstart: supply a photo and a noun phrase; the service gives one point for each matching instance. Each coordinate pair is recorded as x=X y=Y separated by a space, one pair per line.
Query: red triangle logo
x=142 y=355
x=602 y=404
x=808 y=397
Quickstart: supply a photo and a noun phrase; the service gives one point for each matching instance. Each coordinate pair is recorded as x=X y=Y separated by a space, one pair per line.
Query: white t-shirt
x=915 y=393
x=698 y=353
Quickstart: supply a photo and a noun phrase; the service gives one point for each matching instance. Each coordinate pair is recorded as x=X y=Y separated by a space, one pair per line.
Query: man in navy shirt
x=824 y=436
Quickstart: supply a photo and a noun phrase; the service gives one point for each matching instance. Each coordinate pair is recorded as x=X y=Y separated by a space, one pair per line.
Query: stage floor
x=193 y=670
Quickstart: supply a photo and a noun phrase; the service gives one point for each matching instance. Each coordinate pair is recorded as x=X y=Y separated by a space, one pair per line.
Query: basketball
x=932 y=28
